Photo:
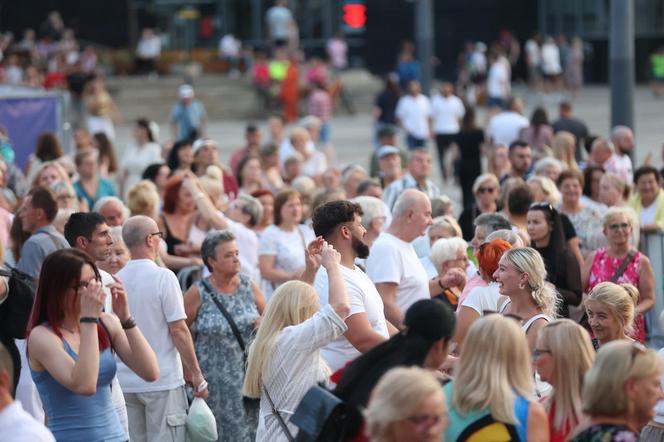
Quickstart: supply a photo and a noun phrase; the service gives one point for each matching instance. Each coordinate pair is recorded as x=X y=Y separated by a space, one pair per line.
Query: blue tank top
x=73 y=417
x=479 y=424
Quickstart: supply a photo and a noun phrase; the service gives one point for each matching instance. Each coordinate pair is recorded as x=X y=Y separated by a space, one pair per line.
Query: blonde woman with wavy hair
x=521 y=278
x=491 y=396
x=406 y=404
x=544 y=190
x=284 y=359
x=611 y=308
x=563 y=355
x=620 y=392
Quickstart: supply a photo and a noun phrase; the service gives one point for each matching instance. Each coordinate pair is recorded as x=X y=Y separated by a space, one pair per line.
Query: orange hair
x=489 y=255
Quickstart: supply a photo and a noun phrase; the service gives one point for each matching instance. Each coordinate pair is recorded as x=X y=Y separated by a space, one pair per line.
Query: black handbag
x=321 y=417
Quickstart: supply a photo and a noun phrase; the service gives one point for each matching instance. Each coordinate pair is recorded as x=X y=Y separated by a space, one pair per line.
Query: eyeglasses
x=618 y=226
x=159 y=234
x=486 y=190
x=539 y=352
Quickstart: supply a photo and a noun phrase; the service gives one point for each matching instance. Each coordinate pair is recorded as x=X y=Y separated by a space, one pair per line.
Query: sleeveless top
x=170 y=240
x=602 y=270
x=480 y=425
x=73 y=417
x=526 y=325
x=236 y=419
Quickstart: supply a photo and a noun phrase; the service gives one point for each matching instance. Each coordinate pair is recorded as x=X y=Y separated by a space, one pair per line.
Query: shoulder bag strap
x=282 y=423
x=227 y=315
x=52 y=238
x=627 y=260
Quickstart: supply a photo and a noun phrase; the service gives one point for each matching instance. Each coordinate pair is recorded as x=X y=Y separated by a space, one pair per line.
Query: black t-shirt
x=568 y=227
x=387 y=103
x=573 y=125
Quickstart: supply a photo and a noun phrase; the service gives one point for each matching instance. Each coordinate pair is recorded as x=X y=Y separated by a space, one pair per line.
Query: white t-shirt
x=551 y=59
x=648 y=213
x=532 y=53
x=149 y=47
x=315 y=165
x=286 y=247
x=414 y=114
x=155 y=300
x=18 y=426
x=363 y=298
x=136 y=159
x=504 y=127
x=247 y=242
x=278 y=20
x=482 y=299
x=393 y=260
x=447 y=111
x=498 y=81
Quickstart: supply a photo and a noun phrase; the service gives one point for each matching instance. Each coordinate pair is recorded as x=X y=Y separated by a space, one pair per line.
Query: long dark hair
x=60 y=272
x=468 y=120
x=173 y=160
x=426 y=321
x=557 y=241
x=106 y=150
x=48 y=147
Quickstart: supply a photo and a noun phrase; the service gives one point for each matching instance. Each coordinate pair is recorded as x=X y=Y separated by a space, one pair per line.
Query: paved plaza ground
x=232 y=105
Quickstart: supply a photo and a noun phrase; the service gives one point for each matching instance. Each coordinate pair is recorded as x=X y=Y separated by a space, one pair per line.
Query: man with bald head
x=112 y=209
x=156 y=300
x=393 y=265
x=621 y=163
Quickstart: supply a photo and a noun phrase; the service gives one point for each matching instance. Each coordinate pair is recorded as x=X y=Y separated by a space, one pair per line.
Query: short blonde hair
x=549 y=188
x=446 y=249
x=143 y=198
x=494 y=367
x=617 y=362
x=619 y=299
x=618 y=212
x=397 y=396
x=485 y=177
x=447 y=223
x=58 y=169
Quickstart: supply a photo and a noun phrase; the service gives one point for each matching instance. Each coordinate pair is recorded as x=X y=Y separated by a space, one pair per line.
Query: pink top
x=475 y=281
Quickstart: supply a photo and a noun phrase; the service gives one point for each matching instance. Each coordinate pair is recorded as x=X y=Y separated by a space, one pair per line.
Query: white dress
x=136 y=159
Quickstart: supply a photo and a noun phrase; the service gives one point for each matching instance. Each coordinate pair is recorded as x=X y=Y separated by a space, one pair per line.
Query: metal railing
x=652 y=245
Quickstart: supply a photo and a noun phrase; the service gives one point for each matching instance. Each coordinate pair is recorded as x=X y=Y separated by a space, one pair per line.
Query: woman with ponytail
x=521 y=278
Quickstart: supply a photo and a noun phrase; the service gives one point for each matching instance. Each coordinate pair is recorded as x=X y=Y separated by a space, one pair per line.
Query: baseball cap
x=186 y=91
x=203 y=142
x=387 y=150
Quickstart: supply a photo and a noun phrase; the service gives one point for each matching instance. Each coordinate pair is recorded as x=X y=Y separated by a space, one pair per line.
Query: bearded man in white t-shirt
x=393 y=264
x=340 y=224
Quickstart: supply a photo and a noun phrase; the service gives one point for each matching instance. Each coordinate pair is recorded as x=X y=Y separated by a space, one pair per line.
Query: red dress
x=602 y=270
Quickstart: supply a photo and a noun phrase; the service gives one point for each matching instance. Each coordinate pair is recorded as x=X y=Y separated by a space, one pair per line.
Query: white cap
x=186 y=91
x=203 y=142
x=387 y=150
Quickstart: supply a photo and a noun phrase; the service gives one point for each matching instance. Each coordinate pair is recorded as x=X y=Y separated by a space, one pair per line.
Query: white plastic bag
x=201 y=425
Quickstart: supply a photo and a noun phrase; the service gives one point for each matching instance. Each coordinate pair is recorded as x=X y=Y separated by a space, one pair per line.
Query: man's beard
x=360 y=248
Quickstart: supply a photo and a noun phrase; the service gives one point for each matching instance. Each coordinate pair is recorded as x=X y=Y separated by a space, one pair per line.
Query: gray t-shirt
x=41 y=243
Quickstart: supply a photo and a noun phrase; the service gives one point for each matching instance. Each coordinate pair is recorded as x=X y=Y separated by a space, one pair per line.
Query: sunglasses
x=542 y=206
x=159 y=234
x=486 y=190
x=617 y=226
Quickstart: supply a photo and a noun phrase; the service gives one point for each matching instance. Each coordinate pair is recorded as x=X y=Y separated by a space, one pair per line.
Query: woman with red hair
x=70 y=343
x=481 y=299
x=177 y=219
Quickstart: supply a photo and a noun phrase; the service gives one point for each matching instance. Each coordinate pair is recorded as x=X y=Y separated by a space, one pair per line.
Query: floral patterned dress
x=602 y=270
x=607 y=433
x=222 y=360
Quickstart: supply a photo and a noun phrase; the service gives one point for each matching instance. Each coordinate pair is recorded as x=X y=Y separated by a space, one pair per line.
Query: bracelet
x=88 y=319
x=440 y=284
x=129 y=323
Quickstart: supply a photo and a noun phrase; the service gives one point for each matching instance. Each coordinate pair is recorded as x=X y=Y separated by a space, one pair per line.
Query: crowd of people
x=265 y=282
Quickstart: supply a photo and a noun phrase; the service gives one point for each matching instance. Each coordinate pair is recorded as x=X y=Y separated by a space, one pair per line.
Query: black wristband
x=440 y=284
x=129 y=323
x=88 y=319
